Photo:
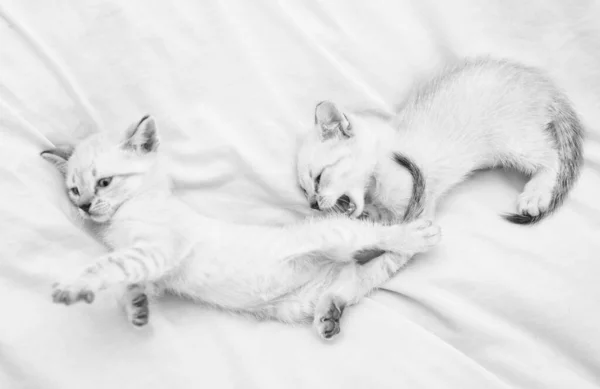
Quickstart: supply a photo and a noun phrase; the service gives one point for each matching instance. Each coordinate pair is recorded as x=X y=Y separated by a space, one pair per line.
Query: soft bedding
x=233 y=83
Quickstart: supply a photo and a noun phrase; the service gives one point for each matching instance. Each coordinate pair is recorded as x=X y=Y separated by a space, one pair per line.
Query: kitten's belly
x=237 y=285
x=244 y=267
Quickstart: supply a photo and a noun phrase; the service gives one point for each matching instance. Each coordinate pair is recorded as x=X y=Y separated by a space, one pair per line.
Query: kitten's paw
x=139 y=311
x=423 y=235
x=71 y=292
x=327 y=316
x=417 y=236
x=534 y=201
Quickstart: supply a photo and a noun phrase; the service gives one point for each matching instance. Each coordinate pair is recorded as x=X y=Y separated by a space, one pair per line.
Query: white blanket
x=233 y=83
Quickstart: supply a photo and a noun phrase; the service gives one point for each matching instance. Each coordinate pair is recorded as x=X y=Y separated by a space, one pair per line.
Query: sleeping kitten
x=478 y=114
x=292 y=273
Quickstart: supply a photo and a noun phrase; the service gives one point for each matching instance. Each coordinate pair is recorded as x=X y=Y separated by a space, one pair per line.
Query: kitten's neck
x=374 y=138
x=148 y=202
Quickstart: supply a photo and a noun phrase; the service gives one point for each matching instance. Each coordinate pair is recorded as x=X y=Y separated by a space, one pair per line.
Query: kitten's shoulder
x=143 y=216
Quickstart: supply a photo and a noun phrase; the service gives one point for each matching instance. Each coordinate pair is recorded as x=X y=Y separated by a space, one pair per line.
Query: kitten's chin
x=95 y=217
x=100 y=218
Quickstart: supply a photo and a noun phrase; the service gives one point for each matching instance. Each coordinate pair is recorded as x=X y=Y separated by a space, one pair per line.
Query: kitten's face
x=332 y=173
x=101 y=174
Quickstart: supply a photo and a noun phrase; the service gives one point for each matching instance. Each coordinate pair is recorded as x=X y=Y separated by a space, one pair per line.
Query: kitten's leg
x=353 y=283
x=128 y=266
x=356 y=281
x=344 y=240
x=412 y=238
x=373 y=275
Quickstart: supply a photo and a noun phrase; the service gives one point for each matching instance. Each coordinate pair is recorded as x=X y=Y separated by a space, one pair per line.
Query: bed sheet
x=232 y=85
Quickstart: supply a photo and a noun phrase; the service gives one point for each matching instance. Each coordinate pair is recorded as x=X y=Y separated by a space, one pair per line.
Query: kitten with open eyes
x=480 y=113
x=293 y=273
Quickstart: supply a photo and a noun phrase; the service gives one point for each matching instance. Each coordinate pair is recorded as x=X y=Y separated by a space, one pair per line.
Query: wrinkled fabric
x=233 y=84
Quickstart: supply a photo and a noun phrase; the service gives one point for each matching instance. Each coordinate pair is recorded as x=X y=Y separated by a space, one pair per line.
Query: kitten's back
x=478 y=94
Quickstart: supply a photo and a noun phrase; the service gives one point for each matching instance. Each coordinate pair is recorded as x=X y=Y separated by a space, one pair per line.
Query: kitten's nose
x=86 y=207
x=315 y=205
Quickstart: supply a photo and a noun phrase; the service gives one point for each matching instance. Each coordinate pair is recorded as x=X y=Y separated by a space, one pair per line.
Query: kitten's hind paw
x=327 y=316
x=71 y=293
x=417 y=236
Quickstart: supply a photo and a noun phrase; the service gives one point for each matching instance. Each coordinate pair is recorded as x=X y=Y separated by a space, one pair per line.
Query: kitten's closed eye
x=74 y=191
x=318 y=181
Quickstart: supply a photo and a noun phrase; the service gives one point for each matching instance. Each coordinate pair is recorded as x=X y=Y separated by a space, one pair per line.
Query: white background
x=232 y=84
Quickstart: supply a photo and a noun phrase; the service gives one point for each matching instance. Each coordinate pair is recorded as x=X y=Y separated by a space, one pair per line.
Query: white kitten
x=478 y=114
x=293 y=273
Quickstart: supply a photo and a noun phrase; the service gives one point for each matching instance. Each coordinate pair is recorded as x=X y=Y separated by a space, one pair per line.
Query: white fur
x=481 y=113
x=283 y=273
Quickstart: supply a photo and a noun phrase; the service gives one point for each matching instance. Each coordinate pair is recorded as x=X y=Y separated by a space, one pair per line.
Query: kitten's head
x=335 y=162
x=103 y=173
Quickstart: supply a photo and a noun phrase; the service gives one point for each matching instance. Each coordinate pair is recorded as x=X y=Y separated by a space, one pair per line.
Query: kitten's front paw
x=71 y=292
x=417 y=236
x=422 y=235
x=139 y=310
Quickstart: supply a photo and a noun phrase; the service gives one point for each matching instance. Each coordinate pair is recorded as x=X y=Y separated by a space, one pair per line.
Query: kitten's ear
x=143 y=136
x=59 y=156
x=331 y=122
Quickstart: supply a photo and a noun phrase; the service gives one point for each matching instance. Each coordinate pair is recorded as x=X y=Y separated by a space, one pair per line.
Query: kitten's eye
x=75 y=191
x=104 y=182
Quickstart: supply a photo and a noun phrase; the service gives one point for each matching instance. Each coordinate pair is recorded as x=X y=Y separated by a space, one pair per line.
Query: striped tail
x=416 y=204
x=414 y=209
x=567 y=132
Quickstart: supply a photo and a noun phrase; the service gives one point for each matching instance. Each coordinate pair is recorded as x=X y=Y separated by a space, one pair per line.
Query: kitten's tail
x=416 y=204
x=567 y=131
